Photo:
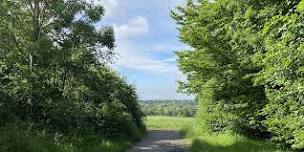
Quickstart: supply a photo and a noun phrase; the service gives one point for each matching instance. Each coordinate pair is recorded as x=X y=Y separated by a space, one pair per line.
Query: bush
x=19 y=137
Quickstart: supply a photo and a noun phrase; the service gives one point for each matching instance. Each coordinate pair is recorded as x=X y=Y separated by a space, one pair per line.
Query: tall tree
x=219 y=66
x=54 y=66
x=245 y=66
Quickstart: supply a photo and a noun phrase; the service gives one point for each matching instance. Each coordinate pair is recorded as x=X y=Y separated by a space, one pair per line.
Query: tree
x=182 y=108
x=219 y=67
x=55 y=72
x=245 y=66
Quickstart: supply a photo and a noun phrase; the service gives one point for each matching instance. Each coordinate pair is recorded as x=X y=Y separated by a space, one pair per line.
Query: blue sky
x=146 y=38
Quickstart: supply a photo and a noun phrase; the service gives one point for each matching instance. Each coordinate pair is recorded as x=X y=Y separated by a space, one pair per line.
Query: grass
x=14 y=138
x=201 y=141
x=229 y=143
x=168 y=123
x=111 y=146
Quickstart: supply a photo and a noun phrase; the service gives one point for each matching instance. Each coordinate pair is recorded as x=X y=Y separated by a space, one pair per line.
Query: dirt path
x=161 y=141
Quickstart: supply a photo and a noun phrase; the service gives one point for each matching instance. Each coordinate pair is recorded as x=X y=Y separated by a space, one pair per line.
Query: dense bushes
x=245 y=66
x=182 y=108
x=55 y=74
x=19 y=136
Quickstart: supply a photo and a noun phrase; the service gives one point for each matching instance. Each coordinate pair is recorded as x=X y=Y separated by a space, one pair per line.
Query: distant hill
x=182 y=108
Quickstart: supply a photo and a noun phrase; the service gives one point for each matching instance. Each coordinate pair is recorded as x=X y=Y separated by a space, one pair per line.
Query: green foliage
x=55 y=74
x=181 y=108
x=219 y=67
x=245 y=66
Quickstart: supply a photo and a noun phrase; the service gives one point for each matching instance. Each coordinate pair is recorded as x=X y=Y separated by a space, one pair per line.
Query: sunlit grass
x=226 y=142
x=168 y=123
x=229 y=143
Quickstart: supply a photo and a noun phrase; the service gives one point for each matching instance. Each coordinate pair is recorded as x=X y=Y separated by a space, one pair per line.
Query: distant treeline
x=184 y=108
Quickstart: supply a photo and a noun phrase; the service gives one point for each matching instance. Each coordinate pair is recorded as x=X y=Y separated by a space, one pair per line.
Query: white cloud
x=161 y=91
x=171 y=47
x=135 y=56
x=111 y=7
x=170 y=60
x=135 y=27
x=132 y=55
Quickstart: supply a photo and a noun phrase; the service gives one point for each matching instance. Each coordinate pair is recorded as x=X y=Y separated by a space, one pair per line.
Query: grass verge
x=14 y=138
x=227 y=142
x=202 y=141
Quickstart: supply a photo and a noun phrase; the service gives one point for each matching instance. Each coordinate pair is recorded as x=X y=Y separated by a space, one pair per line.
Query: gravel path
x=161 y=141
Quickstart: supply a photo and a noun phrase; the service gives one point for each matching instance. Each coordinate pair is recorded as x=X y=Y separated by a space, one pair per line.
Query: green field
x=203 y=142
x=168 y=123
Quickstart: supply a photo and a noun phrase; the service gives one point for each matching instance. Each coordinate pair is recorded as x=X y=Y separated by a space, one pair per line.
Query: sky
x=146 y=39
